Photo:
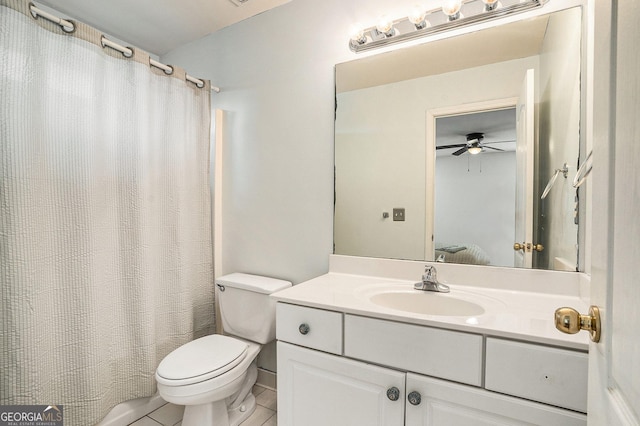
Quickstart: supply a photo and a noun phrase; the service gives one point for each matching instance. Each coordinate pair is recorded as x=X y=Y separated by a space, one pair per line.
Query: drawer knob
x=393 y=393
x=414 y=398
x=304 y=328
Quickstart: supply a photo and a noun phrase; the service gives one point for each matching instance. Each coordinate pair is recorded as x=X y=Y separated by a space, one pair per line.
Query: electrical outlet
x=398 y=215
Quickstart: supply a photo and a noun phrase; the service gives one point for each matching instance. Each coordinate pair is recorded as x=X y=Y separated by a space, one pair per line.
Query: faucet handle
x=429 y=273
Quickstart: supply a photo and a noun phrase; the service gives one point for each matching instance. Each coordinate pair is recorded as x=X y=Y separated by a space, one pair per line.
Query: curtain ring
x=168 y=71
x=127 y=52
x=583 y=171
x=66 y=25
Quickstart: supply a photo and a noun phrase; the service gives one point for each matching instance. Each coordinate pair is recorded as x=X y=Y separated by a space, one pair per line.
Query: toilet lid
x=203 y=359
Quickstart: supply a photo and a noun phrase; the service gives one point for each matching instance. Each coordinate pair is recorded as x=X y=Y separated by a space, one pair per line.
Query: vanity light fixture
x=420 y=22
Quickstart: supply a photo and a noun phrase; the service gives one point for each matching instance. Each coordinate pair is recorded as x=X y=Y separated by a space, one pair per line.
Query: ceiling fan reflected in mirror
x=474 y=145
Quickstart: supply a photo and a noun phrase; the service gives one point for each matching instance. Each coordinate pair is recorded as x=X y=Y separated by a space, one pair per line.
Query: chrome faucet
x=430 y=281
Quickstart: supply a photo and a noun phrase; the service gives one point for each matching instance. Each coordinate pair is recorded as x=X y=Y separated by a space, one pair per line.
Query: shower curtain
x=105 y=238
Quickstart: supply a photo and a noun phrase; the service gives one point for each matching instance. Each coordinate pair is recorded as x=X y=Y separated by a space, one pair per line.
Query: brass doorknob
x=527 y=247
x=569 y=321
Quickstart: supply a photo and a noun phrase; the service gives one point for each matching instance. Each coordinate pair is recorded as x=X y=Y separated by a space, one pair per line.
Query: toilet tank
x=245 y=306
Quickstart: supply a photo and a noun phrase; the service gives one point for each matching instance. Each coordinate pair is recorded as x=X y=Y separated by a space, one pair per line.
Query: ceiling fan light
x=475 y=150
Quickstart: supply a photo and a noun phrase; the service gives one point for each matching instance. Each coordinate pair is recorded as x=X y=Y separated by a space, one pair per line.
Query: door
x=317 y=389
x=614 y=376
x=525 y=110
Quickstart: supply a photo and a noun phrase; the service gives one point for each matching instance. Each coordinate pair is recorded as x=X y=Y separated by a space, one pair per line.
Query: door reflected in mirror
x=472 y=201
x=475 y=188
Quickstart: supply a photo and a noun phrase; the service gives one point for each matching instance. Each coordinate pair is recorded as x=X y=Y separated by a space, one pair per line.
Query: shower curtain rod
x=126 y=51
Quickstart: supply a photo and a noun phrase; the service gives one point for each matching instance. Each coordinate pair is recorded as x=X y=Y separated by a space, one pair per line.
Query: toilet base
x=217 y=413
x=230 y=411
x=241 y=413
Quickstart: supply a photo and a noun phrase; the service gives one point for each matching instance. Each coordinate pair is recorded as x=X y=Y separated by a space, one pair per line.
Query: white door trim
x=430 y=157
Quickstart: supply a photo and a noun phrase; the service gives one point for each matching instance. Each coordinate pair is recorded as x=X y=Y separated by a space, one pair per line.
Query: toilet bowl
x=202 y=383
x=213 y=376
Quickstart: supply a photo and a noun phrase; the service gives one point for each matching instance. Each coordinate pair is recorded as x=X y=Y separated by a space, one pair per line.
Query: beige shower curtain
x=105 y=238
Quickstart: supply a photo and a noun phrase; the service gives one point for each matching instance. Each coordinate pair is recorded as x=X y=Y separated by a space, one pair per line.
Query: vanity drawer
x=435 y=352
x=313 y=328
x=550 y=375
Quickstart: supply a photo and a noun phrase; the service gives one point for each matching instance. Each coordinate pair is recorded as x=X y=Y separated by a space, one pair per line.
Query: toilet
x=213 y=376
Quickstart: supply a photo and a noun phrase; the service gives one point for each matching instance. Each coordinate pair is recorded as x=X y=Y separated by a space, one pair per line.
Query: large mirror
x=444 y=149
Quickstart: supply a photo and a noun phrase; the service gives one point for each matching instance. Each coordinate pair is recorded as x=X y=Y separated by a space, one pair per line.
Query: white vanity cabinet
x=444 y=403
x=342 y=369
x=318 y=389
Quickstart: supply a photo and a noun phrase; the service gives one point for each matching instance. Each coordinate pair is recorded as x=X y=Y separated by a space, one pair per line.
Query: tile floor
x=171 y=415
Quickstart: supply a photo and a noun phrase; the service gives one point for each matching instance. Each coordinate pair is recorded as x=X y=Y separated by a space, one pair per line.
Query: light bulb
x=451 y=8
x=418 y=16
x=490 y=5
x=357 y=35
x=385 y=26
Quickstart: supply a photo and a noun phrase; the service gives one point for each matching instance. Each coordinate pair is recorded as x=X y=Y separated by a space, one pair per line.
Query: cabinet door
x=444 y=404
x=318 y=389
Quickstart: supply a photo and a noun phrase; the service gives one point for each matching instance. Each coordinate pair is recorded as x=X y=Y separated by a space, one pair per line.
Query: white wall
x=474 y=203
x=277 y=86
x=276 y=71
x=381 y=134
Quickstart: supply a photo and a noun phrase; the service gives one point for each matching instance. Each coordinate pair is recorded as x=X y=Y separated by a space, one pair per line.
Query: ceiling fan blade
x=458 y=145
x=490 y=147
x=490 y=143
x=461 y=151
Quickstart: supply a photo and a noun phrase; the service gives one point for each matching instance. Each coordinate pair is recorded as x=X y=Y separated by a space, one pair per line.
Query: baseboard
x=267 y=379
x=130 y=411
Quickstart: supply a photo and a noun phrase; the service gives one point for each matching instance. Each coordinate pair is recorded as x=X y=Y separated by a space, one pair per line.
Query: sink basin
x=426 y=303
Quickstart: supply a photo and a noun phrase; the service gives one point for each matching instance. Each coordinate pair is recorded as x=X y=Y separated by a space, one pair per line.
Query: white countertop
x=514 y=314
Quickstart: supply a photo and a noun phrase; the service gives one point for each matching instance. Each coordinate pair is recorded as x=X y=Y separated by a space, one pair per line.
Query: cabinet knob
x=393 y=393
x=414 y=398
x=304 y=328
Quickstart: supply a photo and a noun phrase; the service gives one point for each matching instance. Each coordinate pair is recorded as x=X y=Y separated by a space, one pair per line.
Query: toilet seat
x=200 y=360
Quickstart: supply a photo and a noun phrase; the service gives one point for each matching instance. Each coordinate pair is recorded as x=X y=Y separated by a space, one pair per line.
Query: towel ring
x=564 y=170
x=583 y=171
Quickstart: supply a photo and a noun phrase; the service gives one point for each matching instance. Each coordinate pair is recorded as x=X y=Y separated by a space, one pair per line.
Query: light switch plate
x=398 y=215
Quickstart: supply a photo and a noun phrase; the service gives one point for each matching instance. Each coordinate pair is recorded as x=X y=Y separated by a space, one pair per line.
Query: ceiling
x=498 y=126
x=159 y=26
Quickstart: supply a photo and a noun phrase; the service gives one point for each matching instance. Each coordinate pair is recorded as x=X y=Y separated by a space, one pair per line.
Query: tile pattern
x=171 y=415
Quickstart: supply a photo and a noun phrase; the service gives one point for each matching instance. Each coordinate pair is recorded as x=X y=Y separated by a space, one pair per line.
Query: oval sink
x=427 y=303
